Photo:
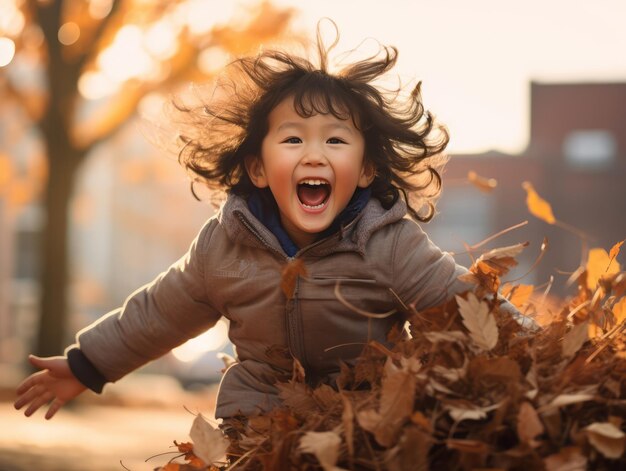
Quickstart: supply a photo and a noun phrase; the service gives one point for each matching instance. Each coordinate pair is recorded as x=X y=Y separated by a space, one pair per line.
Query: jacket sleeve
x=424 y=275
x=427 y=276
x=154 y=319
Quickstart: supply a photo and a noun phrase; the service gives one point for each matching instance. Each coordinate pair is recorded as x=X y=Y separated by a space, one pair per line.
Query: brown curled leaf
x=289 y=277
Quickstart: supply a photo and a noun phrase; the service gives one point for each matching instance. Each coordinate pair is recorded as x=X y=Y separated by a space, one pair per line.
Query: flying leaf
x=486 y=185
x=289 y=277
x=599 y=264
x=517 y=295
x=575 y=339
x=528 y=423
x=479 y=321
x=503 y=257
x=614 y=252
x=490 y=266
x=607 y=439
x=537 y=206
x=619 y=311
x=325 y=447
x=190 y=456
x=208 y=443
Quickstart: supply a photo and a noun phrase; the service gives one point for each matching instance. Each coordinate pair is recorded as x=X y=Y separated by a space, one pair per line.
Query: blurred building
x=576 y=159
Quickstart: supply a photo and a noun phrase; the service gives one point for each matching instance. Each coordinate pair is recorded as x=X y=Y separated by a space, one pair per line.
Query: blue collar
x=263 y=206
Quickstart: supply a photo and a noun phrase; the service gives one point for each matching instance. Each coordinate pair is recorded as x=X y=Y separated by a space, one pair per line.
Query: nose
x=314 y=156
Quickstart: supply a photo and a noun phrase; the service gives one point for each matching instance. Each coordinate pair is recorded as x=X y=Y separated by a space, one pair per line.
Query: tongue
x=312 y=195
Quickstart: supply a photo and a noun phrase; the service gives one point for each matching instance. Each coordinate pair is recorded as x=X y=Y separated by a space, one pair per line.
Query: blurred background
x=90 y=210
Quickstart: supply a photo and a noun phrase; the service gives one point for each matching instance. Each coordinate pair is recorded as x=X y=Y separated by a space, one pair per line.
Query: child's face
x=312 y=166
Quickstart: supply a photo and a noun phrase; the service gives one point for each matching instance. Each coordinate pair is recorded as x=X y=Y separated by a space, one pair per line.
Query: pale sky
x=476 y=58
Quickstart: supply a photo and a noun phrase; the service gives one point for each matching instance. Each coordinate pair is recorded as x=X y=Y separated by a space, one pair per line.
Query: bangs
x=318 y=93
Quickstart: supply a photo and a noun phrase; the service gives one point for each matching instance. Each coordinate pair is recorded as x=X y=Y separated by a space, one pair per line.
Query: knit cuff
x=84 y=370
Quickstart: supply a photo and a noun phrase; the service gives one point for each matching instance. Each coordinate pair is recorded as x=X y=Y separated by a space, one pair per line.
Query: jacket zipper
x=292 y=321
x=293 y=318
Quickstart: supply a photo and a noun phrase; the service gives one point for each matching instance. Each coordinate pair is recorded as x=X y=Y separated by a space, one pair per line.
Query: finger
x=54 y=408
x=41 y=362
x=38 y=402
x=32 y=381
x=29 y=396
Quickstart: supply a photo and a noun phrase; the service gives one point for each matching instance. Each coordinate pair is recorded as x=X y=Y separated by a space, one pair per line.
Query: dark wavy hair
x=403 y=141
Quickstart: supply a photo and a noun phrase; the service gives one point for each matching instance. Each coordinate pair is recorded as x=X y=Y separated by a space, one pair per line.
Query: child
x=317 y=167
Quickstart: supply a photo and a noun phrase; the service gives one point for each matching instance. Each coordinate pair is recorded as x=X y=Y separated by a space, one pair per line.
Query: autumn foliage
x=468 y=389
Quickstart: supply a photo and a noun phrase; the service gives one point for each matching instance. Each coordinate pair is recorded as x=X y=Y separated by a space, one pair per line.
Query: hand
x=55 y=384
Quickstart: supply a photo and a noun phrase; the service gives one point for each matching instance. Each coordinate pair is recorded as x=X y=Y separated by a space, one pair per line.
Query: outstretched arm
x=54 y=384
x=426 y=276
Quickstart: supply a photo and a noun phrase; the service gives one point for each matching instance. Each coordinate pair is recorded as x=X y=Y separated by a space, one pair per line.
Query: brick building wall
x=575 y=158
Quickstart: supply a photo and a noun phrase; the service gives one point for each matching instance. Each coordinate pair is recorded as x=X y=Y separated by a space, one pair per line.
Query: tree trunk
x=55 y=268
x=64 y=160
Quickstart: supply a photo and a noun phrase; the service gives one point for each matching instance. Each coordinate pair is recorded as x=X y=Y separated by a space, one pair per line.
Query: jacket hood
x=243 y=227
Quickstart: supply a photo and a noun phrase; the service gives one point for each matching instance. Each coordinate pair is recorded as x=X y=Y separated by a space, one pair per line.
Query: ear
x=256 y=171
x=368 y=172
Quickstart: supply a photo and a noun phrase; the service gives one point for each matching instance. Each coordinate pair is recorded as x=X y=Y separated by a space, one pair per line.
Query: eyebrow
x=294 y=124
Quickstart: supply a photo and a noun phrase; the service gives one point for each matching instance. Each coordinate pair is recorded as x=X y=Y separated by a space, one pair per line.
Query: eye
x=335 y=140
x=292 y=140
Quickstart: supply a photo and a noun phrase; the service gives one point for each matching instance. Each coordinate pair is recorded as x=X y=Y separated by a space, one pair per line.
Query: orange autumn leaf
x=615 y=251
x=537 y=206
x=422 y=421
x=594 y=331
x=619 y=311
x=490 y=266
x=529 y=424
x=598 y=264
x=290 y=275
x=517 y=295
x=187 y=449
x=184 y=447
x=483 y=184
x=170 y=467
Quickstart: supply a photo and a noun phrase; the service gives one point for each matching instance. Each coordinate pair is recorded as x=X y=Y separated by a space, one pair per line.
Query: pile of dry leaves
x=468 y=390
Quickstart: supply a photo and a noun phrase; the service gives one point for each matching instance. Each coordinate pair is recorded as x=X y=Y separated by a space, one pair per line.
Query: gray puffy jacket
x=233 y=269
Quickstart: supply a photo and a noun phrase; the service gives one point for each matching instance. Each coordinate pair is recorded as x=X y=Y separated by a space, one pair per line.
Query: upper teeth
x=314 y=182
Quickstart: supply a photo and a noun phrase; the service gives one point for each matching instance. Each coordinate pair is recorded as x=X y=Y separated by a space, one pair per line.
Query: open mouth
x=313 y=193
